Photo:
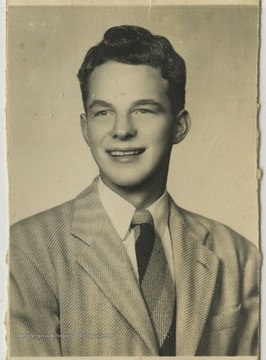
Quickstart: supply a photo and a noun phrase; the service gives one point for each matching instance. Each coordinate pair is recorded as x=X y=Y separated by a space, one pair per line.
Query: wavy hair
x=135 y=45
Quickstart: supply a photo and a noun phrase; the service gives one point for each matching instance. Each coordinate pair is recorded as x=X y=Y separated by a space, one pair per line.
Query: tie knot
x=142 y=217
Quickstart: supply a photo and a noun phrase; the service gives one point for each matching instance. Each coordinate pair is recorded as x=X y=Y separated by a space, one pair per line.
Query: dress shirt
x=121 y=212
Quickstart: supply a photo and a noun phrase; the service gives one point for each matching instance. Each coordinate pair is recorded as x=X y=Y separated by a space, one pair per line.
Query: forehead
x=113 y=80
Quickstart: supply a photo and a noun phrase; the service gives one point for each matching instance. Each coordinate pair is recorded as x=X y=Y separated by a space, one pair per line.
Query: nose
x=123 y=128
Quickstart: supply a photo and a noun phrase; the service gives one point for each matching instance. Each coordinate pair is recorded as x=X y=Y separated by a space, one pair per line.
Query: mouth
x=125 y=153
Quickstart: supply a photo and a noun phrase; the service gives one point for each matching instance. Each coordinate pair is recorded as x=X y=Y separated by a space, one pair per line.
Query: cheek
x=95 y=134
x=100 y=129
x=163 y=136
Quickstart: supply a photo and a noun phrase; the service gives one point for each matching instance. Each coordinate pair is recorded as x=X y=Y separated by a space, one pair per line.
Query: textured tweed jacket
x=73 y=291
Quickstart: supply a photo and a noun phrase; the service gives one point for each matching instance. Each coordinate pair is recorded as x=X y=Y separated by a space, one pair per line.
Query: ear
x=84 y=128
x=182 y=126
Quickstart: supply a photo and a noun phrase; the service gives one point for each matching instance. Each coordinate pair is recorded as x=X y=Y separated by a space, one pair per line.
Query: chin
x=122 y=181
x=128 y=183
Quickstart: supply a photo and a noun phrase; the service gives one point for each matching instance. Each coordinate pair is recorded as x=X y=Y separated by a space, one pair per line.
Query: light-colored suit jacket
x=73 y=291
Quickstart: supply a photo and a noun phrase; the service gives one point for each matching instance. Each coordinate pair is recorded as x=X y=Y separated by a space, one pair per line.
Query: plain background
x=3 y=174
x=212 y=172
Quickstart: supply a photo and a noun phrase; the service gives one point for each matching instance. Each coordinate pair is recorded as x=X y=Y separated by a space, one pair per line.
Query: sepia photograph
x=133 y=179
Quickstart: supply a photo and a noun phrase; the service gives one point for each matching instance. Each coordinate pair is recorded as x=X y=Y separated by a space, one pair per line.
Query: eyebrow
x=99 y=103
x=152 y=102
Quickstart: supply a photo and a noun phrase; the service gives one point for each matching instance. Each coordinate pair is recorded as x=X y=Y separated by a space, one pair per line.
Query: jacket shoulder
x=45 y=219
x=42 y=233
x=221 y=238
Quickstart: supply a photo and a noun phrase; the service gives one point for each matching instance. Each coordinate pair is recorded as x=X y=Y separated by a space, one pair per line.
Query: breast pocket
x=227 y=319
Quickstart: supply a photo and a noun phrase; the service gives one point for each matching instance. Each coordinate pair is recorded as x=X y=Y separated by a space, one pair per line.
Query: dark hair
x=135 y=45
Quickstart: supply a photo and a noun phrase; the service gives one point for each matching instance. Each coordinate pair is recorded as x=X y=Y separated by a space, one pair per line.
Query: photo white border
x=4 y=224
x=149 y=3
x=262 y=164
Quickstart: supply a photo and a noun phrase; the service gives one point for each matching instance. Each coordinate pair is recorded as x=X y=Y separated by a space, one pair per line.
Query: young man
x=122 y=270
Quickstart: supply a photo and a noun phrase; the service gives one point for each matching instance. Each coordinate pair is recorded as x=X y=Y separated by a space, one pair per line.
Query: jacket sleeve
x=34 y=311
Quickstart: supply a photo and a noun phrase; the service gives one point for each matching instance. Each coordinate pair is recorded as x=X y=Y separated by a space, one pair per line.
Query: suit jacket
x=73 y=291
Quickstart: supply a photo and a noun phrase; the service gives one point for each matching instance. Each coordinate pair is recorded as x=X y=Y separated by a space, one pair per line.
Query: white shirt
x=121 y=212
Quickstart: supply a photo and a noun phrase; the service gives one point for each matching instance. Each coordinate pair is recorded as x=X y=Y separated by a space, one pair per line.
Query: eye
x=143 y=111
x=102 y=113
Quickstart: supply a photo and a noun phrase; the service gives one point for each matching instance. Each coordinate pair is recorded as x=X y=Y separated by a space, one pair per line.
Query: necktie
x=155 y=281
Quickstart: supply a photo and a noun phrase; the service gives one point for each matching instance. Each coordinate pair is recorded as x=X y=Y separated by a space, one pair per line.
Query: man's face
x=129 y=126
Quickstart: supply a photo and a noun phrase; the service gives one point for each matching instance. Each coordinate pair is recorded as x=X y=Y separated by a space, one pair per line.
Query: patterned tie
x=155 y=281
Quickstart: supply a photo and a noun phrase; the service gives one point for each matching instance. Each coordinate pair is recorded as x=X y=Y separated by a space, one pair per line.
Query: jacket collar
x=106 y=261
x=196 y=269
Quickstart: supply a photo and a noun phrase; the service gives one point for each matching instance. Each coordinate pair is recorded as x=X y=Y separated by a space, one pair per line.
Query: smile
x=122 y=153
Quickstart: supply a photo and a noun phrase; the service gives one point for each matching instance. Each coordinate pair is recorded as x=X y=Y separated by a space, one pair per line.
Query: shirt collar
x=121 y=211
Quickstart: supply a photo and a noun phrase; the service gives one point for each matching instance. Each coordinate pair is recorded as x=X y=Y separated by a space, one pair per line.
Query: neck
x=140 y=196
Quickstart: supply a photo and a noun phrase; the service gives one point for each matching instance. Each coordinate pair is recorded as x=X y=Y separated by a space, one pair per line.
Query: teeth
x=124 y=153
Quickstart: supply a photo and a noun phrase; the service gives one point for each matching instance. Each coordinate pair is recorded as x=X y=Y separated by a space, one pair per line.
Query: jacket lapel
x=106 y=261
x=196 y=269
